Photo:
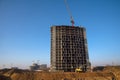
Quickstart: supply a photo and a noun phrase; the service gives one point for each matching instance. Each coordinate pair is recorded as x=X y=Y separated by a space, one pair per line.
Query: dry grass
x=13 y=74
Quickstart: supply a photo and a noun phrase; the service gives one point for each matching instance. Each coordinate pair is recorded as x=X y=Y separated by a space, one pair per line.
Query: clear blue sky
x=25 y=29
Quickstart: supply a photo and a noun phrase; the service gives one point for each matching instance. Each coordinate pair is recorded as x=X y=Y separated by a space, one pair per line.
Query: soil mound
x=109 y=73
x=2 y=77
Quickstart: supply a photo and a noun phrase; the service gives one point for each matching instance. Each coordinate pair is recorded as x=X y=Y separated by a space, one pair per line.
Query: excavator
x=78 y=69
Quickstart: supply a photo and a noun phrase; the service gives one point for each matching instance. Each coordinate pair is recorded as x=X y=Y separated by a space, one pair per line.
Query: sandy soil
x=109 y=73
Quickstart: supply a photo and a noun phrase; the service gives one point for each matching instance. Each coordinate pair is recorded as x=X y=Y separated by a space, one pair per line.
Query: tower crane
x=71 y=17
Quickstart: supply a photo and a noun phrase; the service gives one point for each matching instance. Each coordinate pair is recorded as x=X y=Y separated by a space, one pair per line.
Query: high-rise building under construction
x=69 y=48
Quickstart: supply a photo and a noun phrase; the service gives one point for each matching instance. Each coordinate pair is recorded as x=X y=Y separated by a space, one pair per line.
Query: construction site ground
x=109 y=73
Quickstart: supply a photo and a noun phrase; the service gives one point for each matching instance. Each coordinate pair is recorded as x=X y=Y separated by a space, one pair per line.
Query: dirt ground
x=109 y=73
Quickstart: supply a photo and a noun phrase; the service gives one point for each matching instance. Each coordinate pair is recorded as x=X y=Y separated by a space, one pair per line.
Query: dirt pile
x=15 y=74
x=115 y=70
x=2 y=77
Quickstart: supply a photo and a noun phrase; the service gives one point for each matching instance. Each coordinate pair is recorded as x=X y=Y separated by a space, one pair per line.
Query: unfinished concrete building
x=69 y=48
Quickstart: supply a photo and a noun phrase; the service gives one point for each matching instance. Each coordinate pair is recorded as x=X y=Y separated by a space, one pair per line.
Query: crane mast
x=71 y=17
